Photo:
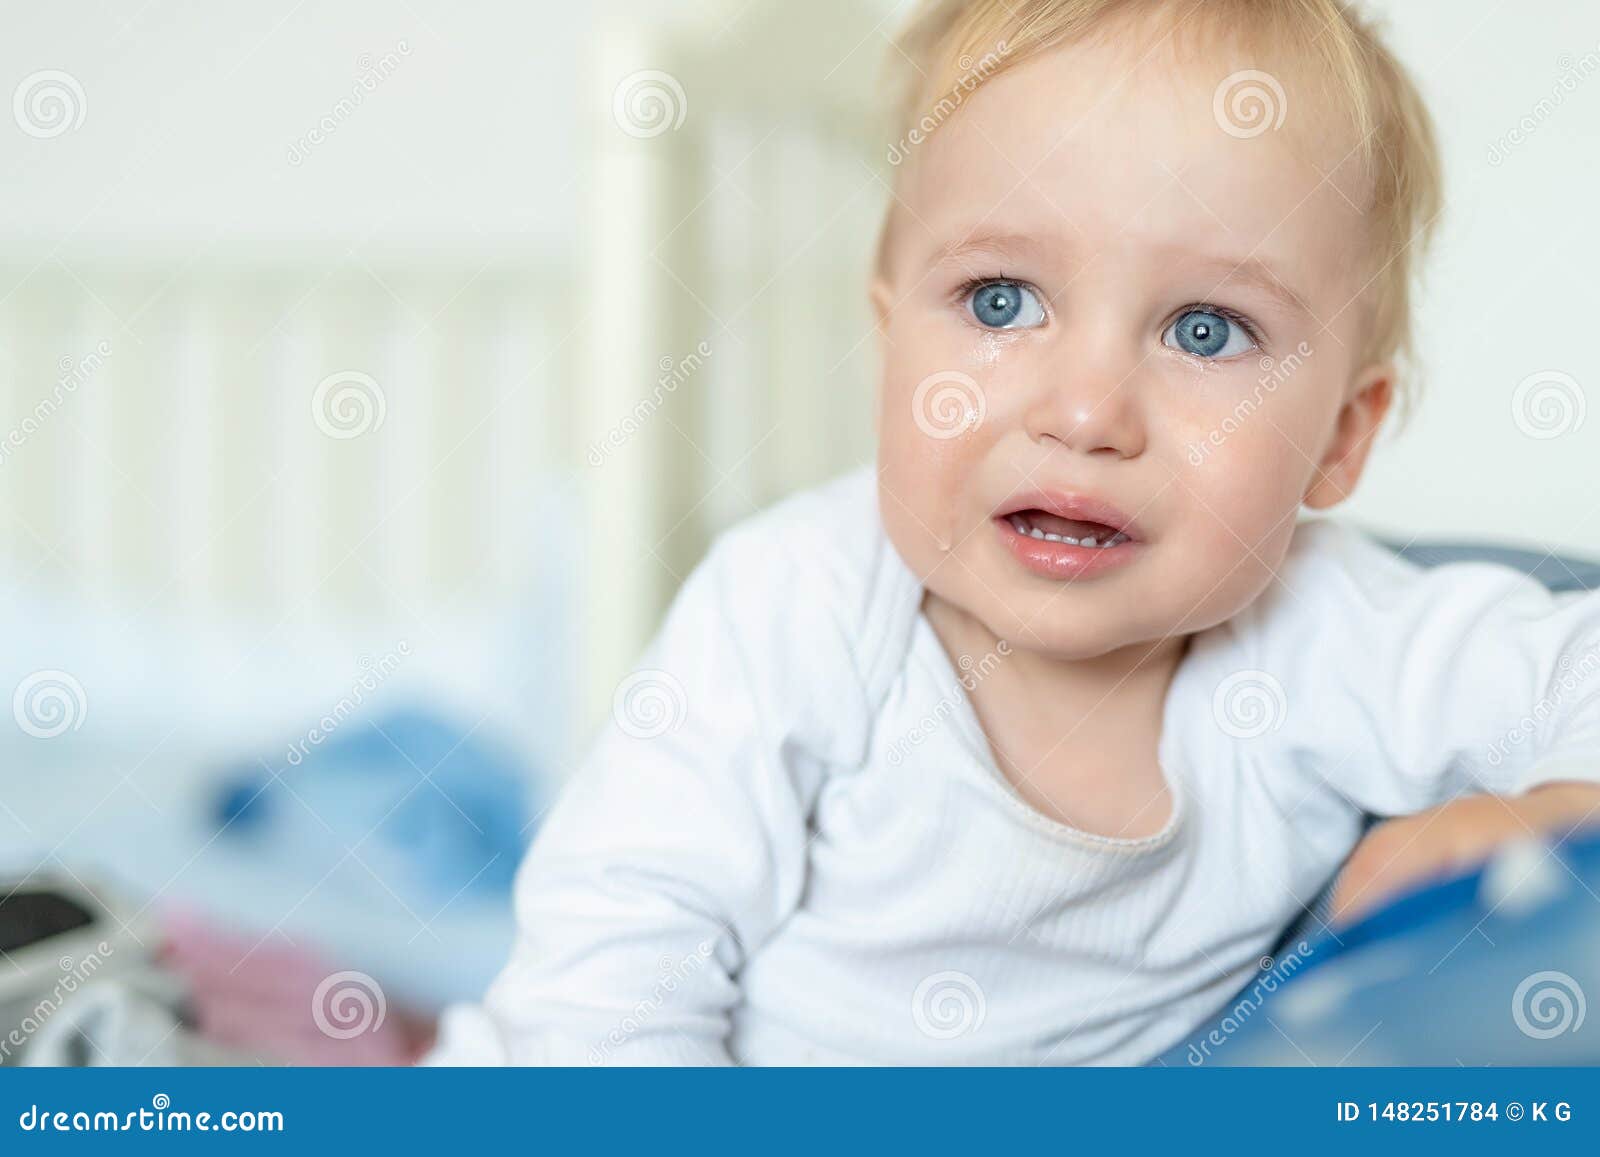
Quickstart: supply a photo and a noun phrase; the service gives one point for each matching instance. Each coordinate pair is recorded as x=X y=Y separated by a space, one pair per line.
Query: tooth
x=1019 y=526
x=1037 y=533
x=1070 y=541
x=1088 y=541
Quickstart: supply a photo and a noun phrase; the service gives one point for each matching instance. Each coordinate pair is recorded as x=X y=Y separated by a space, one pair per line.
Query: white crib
x=297 y=435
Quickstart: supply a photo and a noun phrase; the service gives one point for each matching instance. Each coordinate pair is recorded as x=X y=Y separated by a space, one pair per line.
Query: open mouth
x=1067 y=536
x=1046 y=527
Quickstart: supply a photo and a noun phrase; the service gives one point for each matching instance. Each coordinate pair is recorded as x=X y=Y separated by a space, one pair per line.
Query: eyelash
x=970 y=286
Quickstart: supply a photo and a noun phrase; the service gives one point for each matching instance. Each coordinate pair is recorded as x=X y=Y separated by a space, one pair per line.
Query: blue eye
x=1207 y=335
x=1006 y=305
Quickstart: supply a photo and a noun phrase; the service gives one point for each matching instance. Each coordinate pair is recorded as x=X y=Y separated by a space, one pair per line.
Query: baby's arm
x=681 y=842
x=1471 y=699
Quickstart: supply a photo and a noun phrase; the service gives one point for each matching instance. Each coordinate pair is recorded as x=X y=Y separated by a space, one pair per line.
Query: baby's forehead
x=1092 y=141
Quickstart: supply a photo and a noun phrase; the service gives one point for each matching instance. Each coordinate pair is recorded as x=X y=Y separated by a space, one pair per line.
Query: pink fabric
x=262 y=1000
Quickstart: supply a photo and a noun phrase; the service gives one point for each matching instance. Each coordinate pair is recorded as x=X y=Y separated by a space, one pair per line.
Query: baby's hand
x=1404 y=852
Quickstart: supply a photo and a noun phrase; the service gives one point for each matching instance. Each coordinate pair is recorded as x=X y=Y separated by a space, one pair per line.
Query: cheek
x=1241 y=500
x=935 y=427
x=1250 y=456
x=924 y=479
x=1247 y=489
x=1239 y=524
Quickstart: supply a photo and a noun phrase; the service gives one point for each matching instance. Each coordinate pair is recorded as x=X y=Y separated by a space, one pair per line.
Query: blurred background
x=371 y=375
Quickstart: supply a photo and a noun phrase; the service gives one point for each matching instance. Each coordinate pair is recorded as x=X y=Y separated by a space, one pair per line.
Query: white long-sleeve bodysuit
x=792 y=845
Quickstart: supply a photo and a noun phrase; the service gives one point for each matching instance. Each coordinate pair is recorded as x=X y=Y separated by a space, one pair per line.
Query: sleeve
x=680 y=845
x=1427 y=684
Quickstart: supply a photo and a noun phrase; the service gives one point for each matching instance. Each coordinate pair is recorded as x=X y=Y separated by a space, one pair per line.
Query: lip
x=1083 y=507
x=1059 y=560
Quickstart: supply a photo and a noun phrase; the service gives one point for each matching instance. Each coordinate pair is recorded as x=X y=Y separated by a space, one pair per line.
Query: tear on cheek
x=923 y=482
x=944 y=513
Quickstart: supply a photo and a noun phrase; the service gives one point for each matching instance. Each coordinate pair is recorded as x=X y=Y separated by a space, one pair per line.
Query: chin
x=1072 y=638
x=1046 y=623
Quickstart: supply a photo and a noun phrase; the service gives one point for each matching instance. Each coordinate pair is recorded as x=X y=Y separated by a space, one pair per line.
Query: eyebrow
x=1248 y=272
x=1257 y=274
x=990 y=244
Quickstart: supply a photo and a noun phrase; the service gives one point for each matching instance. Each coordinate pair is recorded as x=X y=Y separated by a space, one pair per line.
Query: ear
x=1357 y=426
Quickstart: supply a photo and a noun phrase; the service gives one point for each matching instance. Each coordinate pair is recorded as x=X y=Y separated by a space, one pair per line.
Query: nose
x=1091 y=410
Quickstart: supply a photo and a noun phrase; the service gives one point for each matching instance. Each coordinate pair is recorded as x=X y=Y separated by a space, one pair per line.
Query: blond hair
x=951 y=47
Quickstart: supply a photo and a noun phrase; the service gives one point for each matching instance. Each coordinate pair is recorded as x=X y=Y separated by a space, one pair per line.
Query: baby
x=1026 y=745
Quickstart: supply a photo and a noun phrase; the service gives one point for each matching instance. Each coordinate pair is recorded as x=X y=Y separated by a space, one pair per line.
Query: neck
x=1078 y=738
